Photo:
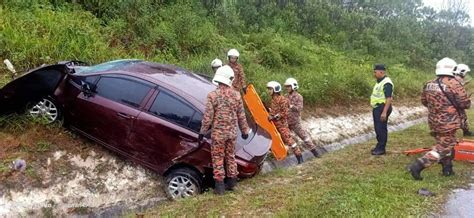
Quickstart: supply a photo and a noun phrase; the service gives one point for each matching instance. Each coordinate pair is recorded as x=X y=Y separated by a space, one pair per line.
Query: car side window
x=195 y=123
x=174 y=109
x=123 y=90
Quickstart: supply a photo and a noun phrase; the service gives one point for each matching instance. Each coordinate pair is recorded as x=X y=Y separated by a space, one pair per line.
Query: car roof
x=186 y=82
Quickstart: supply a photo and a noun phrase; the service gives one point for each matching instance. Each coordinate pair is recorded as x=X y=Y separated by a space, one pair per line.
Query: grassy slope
x=37 y=35
x=349 y=182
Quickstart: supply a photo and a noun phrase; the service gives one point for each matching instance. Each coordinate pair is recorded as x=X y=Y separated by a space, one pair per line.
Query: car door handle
x=123 y=115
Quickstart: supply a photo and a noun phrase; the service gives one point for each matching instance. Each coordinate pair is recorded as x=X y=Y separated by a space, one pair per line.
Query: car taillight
x=246 y=167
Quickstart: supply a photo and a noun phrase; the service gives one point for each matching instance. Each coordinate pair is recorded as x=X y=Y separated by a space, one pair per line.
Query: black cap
x=379 y=67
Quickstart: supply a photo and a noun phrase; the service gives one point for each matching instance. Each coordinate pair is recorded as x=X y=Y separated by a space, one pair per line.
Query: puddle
x=460 y=203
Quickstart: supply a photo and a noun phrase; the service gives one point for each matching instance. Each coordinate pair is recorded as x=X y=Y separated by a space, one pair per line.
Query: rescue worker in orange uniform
x=459 y=74
x=295 y=100
x=444 y=97
x=224 y=111
x=279 y=109
x=239 y=80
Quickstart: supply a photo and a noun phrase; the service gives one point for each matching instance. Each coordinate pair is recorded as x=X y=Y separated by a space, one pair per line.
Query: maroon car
x=147 y=112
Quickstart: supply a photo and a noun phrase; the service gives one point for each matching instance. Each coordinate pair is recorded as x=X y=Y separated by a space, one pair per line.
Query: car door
x=166 y=131
x=108 y=114
x=67 y=96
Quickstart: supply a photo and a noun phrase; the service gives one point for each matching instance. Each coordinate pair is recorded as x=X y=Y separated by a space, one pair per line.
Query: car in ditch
x=147 y=112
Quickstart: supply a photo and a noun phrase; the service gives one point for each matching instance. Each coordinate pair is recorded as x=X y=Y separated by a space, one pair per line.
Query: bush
x=48 y=32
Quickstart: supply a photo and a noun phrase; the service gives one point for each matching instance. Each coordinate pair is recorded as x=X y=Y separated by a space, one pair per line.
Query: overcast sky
x=437 y=4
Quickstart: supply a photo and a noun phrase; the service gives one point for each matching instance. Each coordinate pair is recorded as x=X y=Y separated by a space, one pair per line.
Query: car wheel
x=183 y=183
x=46 y=108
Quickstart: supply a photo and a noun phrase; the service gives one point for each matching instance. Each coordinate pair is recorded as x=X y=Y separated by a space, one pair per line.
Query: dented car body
x=31 y=87
x=147 y=112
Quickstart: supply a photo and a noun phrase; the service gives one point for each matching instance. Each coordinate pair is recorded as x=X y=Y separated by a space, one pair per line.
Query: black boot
x=315 y=153
x=220 y=188
x=231 y=183
x=415 y=169
x=447 y=164
x=299 y=158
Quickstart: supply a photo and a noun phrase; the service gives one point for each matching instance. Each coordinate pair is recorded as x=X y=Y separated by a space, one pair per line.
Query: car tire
x=183 y=183
x=46 y=108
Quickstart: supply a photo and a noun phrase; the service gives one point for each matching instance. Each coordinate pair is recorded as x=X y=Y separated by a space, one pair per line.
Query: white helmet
x=233 y=52
x=462 y=70
x=224 y=75
x=275 y=86
x=445 y=66
x=292 y=82
x=216 y=63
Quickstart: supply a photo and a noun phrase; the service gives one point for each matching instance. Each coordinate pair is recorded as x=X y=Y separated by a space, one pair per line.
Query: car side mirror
x=86 y=89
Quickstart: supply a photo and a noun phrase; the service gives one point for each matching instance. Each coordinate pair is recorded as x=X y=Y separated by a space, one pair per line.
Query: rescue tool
x=463 y=151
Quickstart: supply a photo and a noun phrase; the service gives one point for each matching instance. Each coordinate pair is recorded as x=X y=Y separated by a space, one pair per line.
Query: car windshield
x=111 y=65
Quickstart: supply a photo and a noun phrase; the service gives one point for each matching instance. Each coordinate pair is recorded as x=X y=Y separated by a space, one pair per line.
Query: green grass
x=43 y=146
x=349 y=182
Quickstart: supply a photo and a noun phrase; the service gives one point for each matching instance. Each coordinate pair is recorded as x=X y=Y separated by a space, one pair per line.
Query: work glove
x=270 y=117
x=200 y=138
x=273 y=117
x=244 y=90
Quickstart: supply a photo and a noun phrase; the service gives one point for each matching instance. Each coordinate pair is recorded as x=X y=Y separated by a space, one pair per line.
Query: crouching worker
x=224 y=110
x=279 y=108
x=294 y=117
x=444 y=97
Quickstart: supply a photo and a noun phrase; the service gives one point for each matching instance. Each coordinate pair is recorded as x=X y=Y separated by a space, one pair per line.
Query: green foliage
x=43 y=35
x=328 y=46
x=43 y=146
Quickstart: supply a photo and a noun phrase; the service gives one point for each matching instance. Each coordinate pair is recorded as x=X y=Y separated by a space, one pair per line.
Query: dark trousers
x=380 y=127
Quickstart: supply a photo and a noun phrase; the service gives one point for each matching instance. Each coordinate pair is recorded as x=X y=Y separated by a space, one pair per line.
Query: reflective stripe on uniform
x=378 y=95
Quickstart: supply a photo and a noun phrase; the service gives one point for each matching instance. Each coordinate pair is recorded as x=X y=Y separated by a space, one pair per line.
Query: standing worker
x=239 y=81
x=444 y=97
x=459 y=74
x=279 y=108
x=294 y=117
x=224 y=110
x=381 y=102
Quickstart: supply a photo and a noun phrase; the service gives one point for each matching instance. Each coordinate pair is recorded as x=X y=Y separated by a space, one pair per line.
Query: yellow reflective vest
x=378 y=96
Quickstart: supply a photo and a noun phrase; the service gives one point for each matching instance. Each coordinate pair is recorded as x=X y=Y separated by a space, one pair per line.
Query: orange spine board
x=260 y=114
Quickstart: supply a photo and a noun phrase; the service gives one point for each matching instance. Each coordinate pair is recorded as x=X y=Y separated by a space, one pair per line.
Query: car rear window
x=174 y=109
